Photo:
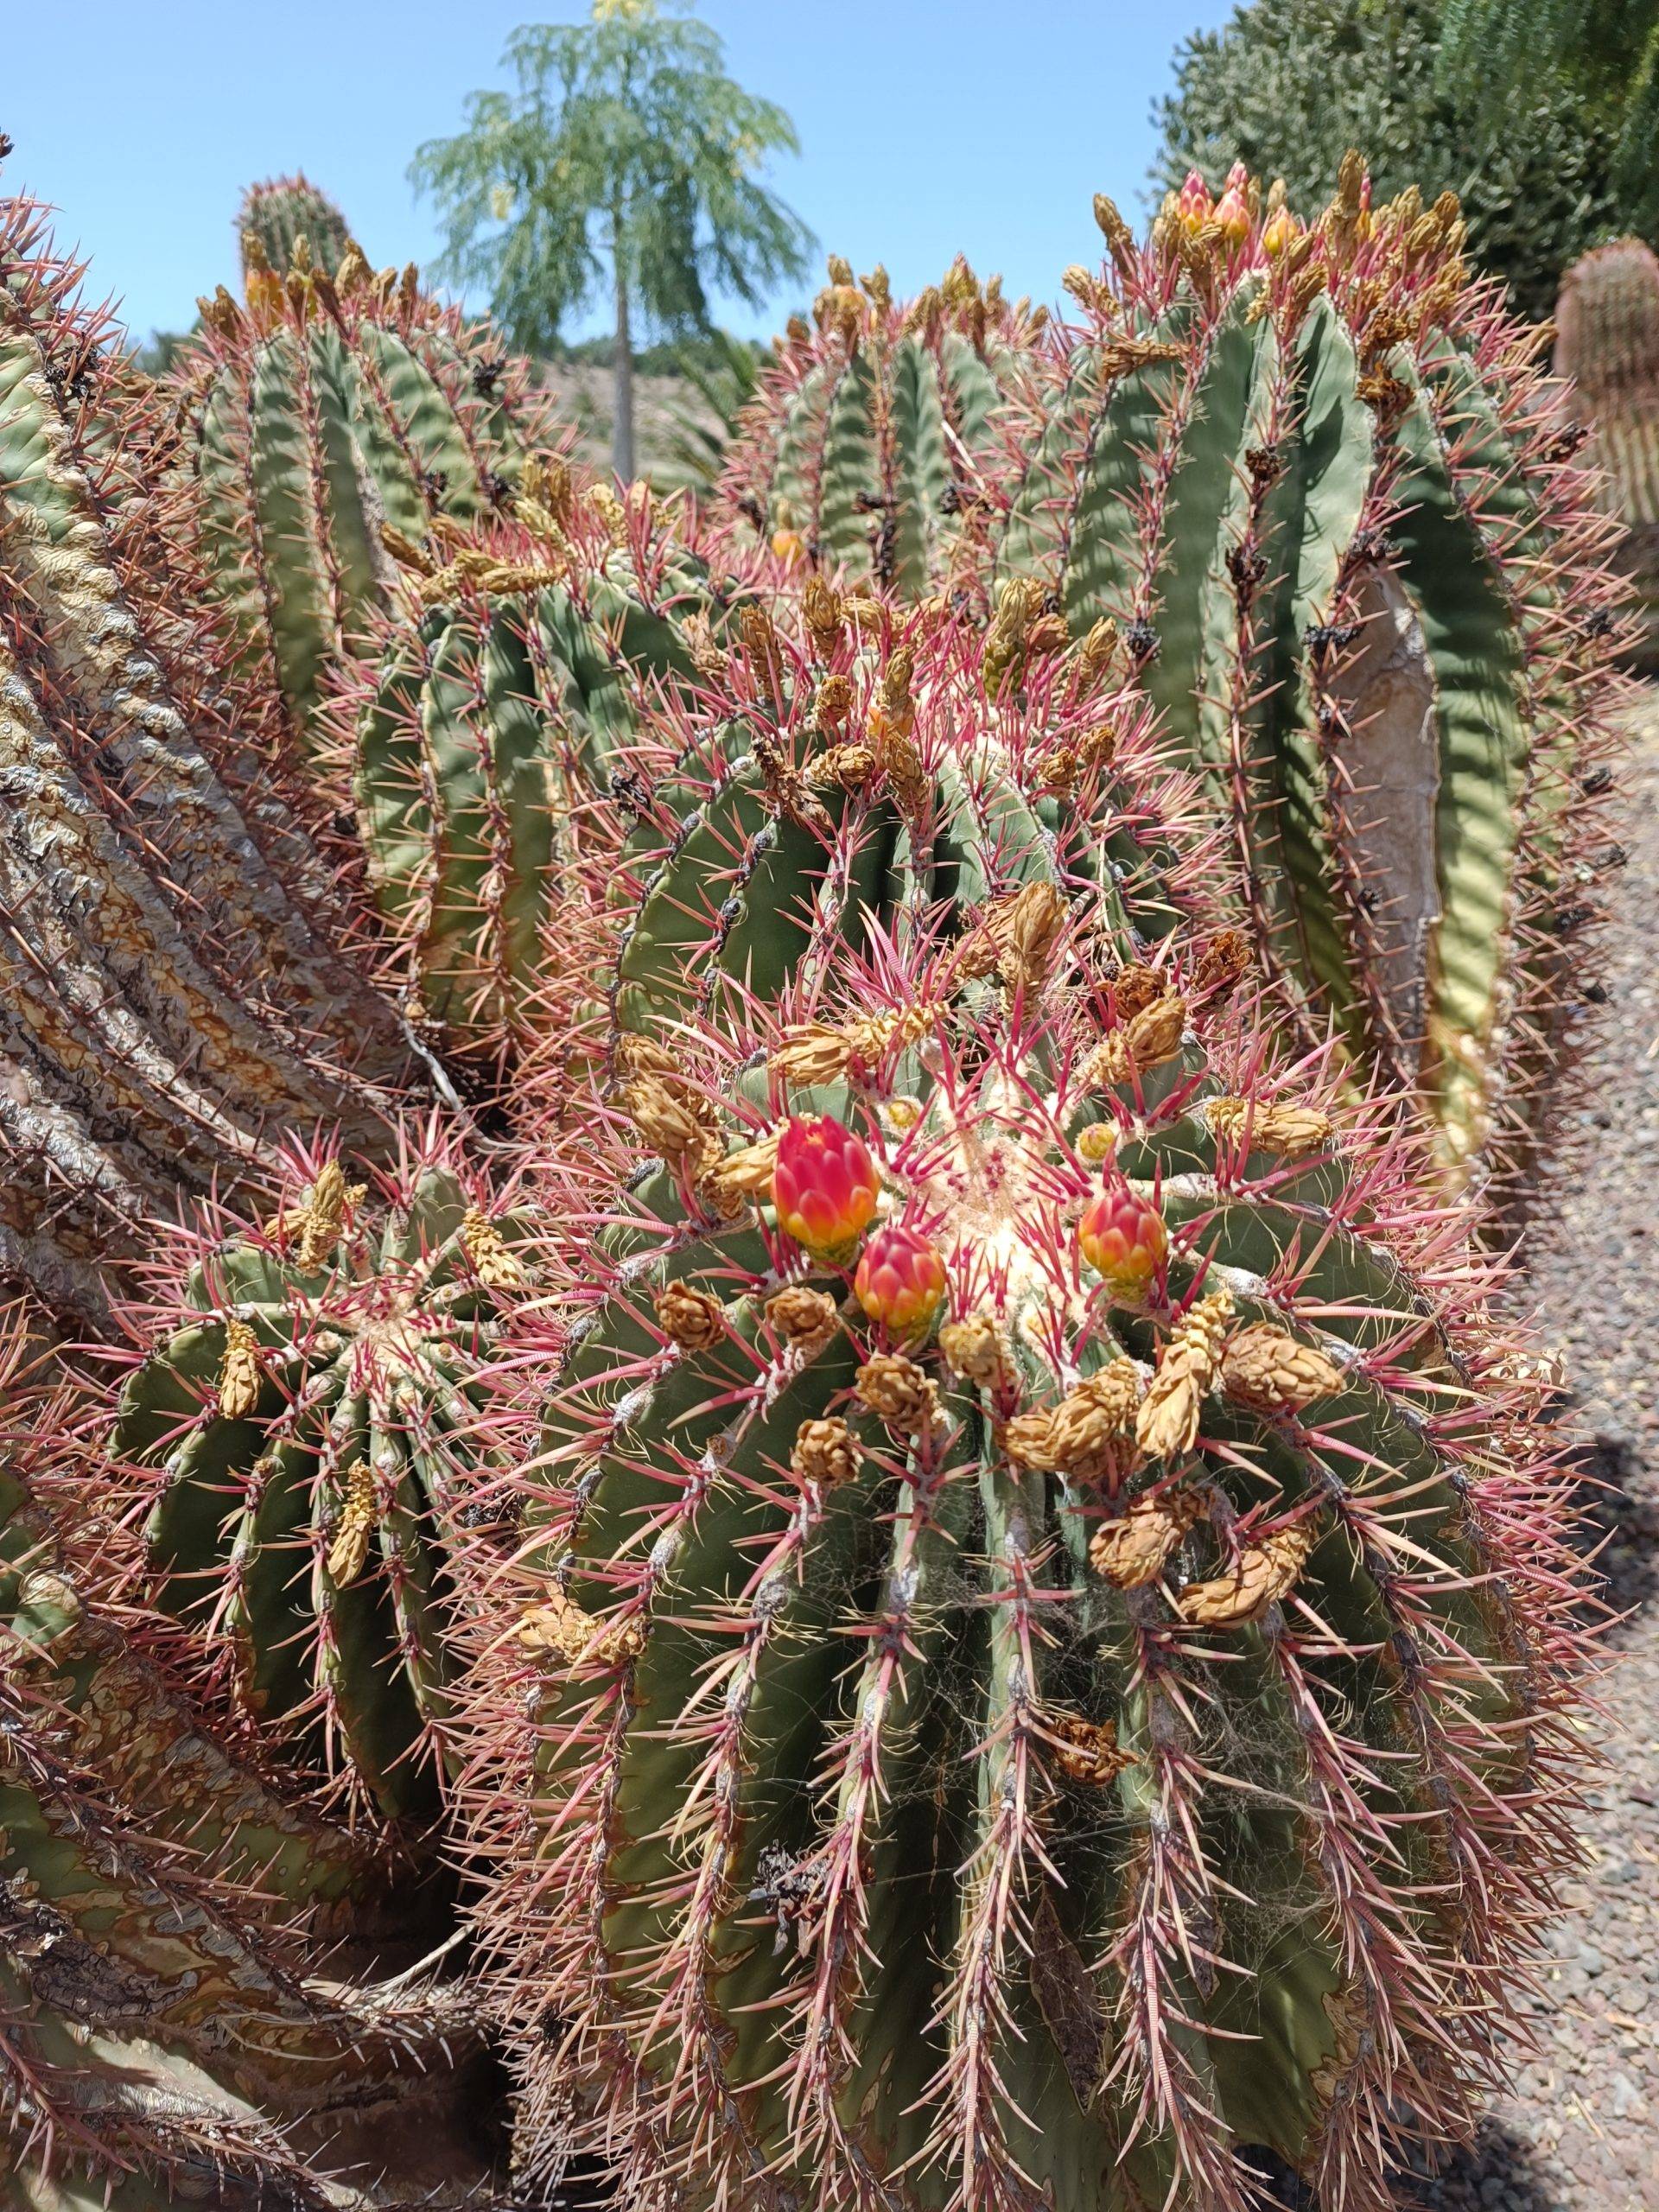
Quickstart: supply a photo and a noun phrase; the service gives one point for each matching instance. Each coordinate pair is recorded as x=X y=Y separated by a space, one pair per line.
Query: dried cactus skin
x=864 y=447
x=1320 y=489
x=1607 y=346
x=168 y=985
x=750 y=858
x=163 y=2038
x=320 y=412
x=297 y=1444
x=885 y=1852
x=484 y=736
x=282 y=210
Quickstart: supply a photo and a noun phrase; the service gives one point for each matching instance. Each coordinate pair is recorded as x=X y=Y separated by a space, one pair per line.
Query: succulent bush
x=1607 y=345
x=169 y=984
x=299 y=1437
x=867 y=442
x=166 y=2035
x=1045 y=1650
x=276 y=214
x=323 y=410
x=1314 y=476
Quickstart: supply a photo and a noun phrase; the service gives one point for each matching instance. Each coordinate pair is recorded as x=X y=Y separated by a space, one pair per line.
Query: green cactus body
x=1316 y=487
x=1607 y=345
x=324 y=414
x=301 y=1442
x=282 y=211
x=1010 y=1769
x=493 y=725
x=867 y=445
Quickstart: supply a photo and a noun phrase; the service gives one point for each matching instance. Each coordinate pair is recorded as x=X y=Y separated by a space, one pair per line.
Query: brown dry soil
x=1580 y=2131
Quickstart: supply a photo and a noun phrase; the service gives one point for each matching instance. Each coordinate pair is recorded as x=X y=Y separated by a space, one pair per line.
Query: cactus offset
x=1607 y=344
x=1045 y=1764
x=276 y=214
x=323 y=408
x=1315 y=478
x=863 y=451
x=298 y=1438
x=166 y=990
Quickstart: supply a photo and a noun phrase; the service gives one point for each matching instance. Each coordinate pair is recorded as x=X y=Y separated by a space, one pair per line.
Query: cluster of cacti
x=1607 y=347
x=992 y=1625
x=1312 y=474
x=300 y=1439
x=276 y=216
x=325 y=411
x=864 y=455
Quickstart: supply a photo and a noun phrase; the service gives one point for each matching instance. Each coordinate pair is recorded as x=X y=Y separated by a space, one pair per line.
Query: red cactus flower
x=1193 y=206
x=824 y=1185
x=1123 y=1237
x=900 y=1281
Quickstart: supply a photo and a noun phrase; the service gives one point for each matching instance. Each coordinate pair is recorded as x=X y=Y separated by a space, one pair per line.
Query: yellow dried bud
x=560 y=1627
x=832 y=702
x=1264 y=1574
x=1167 y=1424
x=692 y=1319
x=353 y=272
x=1084 y=1435
x=821 y=611
x=350 y=1546
x=1095 y=655
x=825 y=1453
x=318 y=1222
x=1133 y=1550
x=495 y=1263
x=745 y=1174
x=1088 y=1750
x=1135 y=988
x=1146 y=1040
x=611 y=513
x=1268 y=1126
x=1047 y=634
x=668 y=1124
x=841 y=270
x=238 y=1372
x=972 y=1348
x=898 y=1391
x=1268 y=1369
x=849 y=768
x=805 y=1319
x=1025 y=926
x=1057 y=771
x=901 y=759
x=1225 y=962
x=1120 y=239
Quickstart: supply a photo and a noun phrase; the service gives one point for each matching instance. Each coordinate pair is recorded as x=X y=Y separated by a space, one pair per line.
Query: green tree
x=623 y=154
x=1606 y=50
x=1287 y=86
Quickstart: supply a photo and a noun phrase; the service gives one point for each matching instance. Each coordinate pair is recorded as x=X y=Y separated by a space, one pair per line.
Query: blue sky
x=984 y=127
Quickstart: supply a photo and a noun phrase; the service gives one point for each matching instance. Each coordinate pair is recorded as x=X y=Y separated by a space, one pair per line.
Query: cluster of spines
x=1274 y=443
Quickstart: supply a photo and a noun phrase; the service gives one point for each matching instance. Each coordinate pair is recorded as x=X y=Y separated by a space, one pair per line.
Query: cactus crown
x=286 y=223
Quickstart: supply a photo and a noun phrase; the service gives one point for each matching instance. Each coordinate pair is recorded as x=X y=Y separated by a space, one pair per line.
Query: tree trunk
x=622 y=427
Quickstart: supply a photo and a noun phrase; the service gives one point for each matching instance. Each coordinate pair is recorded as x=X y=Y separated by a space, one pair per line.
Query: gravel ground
x=1582 y=2131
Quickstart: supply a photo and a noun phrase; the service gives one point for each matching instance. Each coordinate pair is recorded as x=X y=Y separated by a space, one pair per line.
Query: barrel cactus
x=178 y=2023
x=1316 y=479
x=299 y=1439
x=487 y=729
x=324 y=409
x=865 y=448
x=1046 y=1626
x=169 y=985
x=1607 y=346
x=276 y=214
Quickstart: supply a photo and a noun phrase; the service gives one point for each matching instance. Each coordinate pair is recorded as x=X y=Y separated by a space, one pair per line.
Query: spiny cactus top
x=167 y=990
x=322 y=408
x=1045 y=1657
x=299 y=1439
x=1313 y=474
x=863 y=451
x=276 y=214
x=492 y=724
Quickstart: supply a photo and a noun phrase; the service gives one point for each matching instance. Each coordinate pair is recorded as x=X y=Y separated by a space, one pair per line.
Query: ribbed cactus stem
x=1607 y=345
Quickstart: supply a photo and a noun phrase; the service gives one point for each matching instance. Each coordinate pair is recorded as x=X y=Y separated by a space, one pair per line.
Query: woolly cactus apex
x=864 y=450
x=165 y=992
x=167 y=2032
x=322 y=408
x=298 y=1438
x=1044 y=1765
x=1314 y=476
x=484 y=736
x=291 y=225
x=1607 y=344
x=881 y=768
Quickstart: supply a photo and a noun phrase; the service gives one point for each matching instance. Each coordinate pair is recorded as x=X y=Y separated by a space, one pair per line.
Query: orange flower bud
x=900 y=1281
x=823 y=1186
x=1232 y=209
x=1281 y=230
x=1123 y=1239
x=1193 y=206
